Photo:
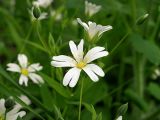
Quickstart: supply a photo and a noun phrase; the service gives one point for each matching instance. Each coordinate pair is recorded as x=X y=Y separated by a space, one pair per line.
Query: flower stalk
x=80 y=101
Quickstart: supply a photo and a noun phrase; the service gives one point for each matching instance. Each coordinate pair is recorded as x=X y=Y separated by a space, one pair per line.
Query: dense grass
x=129 y=68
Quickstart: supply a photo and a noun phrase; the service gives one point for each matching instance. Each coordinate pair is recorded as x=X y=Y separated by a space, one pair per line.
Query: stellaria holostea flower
x=93 y=30
x=79 y=63
x=14 y=113
x=119 y=118
x=91 y=9
x=26 y=71
x=57 y=15
x=156 y=73
x=42 y=3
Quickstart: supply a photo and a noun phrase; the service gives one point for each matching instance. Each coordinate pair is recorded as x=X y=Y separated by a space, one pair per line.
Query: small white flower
x=94 y=30
x=119 y=118
x=42 y=3
x=12 y=114
x=80 y=62
x=26 y=71
x=91 y=9
x=42 y=16
x=57 y=15
x=156 y=73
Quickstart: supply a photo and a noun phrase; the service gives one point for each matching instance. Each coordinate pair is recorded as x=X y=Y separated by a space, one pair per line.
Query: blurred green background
x=134 y=56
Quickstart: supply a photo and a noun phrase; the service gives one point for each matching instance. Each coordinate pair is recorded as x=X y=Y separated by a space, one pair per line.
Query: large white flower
x=26 y=71
x=80 y=62
x=119 y=118
x=42 y=3
x=15 y=112
x=91 y=9
x=93 y=30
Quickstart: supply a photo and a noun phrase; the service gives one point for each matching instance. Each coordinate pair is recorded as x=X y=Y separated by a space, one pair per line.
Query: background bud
x=142 y=19
x=9 y=103
x=36 y=12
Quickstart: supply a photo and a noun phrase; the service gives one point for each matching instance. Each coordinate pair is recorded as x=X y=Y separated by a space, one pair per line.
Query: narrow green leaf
x=136 y=100
x=150 y=50
x=154 y=90
x=57 y=86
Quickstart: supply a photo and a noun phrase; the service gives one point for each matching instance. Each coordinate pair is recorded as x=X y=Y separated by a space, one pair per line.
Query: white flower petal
x=80 y=50
x=64 y=58
x=14 y=114
x=62 y=64
x=119 y=118
x=104 y=29
x=71 y=77
x=35 y=67
x=36 y=78
x=13 y=67
x=95 y=53
x=23 y=79
x=25 y=99
x=74 y=50
x=23 y=61
x=96 y=69
x=2 y=107
x=80 y=46
x=90 y=73
x=43 y=16
x=98 y=55
x=86 y=27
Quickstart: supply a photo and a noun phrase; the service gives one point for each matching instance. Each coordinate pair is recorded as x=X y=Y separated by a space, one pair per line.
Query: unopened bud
x=142 y=19
x=36 y=12
x=9 y=103
x=122 y=109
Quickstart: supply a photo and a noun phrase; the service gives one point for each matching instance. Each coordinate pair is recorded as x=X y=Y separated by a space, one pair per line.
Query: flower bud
x=122 y=109
x=36 y=12
x=142 y=19
x=9 y=103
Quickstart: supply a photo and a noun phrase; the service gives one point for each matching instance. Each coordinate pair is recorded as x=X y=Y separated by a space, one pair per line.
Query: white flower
x=42 y=15
x=94 y=30
x=26 y=71
x=119 y=118
x=12 y=114
x=91 y=9
x=42 y=3
x=57 y=15
x=80 y=62
x=156 y=73
x=25 y=99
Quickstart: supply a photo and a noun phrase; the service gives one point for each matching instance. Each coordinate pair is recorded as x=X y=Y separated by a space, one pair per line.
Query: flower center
x=81 y=64
x=25 y=72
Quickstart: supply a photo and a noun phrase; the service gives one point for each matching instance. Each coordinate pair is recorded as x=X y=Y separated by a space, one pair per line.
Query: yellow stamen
x=25 y=72
x=81 y=64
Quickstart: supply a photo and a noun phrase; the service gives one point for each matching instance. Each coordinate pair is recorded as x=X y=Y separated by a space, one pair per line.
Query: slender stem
x=80 y=101
x=39 y=36
x=139 y=73
x=120 y=42
x=26 y=39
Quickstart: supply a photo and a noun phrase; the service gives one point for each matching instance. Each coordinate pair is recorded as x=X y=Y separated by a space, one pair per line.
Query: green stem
x=120 y=42
x=26 y=39
x=139 y=63
x=39 y=36
x=80 y=101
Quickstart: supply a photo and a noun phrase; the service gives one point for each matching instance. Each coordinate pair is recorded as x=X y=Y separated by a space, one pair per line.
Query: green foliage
x=133 y=47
